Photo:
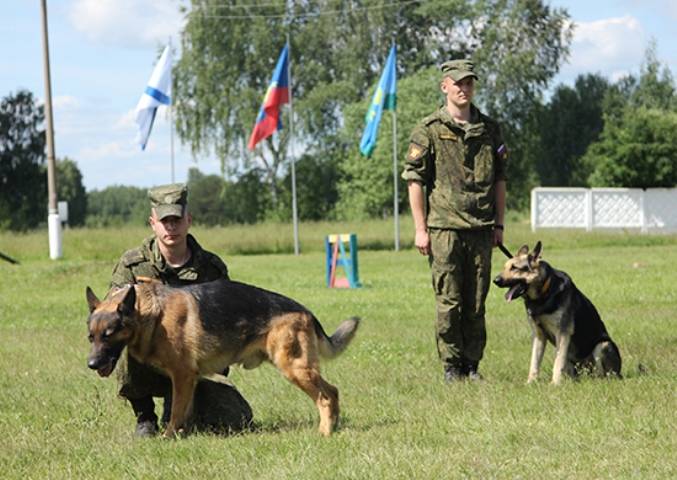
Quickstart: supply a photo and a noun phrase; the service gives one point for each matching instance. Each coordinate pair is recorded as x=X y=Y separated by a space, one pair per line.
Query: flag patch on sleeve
x=502 y=151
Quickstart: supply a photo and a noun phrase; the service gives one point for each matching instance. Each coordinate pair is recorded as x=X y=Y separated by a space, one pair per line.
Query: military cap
x=169 y=200
x=458 y=69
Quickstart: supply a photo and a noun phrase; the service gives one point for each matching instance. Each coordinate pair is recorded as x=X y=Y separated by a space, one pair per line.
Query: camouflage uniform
x=459 y=165
x=218 y=405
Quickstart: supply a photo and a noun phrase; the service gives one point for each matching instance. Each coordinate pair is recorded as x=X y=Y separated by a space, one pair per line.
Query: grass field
x=399 y=420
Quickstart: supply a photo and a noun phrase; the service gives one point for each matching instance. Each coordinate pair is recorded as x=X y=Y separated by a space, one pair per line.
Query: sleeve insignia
x=415 y=152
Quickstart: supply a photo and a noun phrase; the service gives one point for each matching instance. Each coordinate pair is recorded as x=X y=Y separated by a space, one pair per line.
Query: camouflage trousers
x=460 y=262
x=217 y=406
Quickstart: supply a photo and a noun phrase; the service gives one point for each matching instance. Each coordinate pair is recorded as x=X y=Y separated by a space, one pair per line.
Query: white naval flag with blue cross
x=158 y=92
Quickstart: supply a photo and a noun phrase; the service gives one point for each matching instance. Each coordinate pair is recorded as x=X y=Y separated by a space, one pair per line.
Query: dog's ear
x=92 y=300
x=534 y=256
x=126 y=306
x=524 y=249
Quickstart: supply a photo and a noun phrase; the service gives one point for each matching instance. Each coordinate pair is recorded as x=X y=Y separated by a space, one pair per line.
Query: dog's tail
x=331 y=347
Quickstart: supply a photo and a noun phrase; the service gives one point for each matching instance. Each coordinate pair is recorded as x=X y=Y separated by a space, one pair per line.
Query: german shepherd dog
x=559 y=313
x=201 y=329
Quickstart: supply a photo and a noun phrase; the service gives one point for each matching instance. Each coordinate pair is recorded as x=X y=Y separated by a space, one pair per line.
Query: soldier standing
x=458 y=155
x=174 y=257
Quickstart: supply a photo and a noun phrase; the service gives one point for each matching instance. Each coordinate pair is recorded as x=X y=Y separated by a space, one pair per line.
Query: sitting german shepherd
x=202 y=329
x=559 y=313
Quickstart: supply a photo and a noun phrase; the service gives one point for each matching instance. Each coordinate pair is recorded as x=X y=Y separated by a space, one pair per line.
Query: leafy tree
x=366 y=184
x=656 y=87
x=206 y=198
x=117 y=205
x=637 y=151
x=22 y=153
x=566 y=125
x=518 y=44
x=316 y=189
x=638 y=145
x=246 y=200
x=69 y=188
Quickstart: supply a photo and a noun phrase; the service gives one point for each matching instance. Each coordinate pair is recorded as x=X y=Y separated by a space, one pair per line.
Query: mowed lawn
x=399 y=419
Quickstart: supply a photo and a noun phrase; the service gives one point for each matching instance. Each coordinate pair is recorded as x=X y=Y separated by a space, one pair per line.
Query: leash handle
x=505 y=251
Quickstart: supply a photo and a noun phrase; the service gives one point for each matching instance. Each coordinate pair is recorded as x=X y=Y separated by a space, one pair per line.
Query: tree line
x=594 y=133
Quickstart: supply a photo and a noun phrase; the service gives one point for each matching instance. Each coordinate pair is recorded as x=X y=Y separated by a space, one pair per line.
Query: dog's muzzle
x=104 y=366
x=515 y=289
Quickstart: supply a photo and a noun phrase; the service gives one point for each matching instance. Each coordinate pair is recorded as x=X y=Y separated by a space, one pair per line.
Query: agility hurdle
x=336 y=256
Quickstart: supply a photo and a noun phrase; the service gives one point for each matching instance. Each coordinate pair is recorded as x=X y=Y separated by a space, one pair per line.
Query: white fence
x=654 y=209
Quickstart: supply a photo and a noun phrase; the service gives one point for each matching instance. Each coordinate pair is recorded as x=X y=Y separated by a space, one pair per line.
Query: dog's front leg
x=563 y=341
x=183 y=390
x=537 y=349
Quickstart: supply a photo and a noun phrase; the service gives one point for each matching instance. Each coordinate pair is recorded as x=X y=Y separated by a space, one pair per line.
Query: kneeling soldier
x=174 y=257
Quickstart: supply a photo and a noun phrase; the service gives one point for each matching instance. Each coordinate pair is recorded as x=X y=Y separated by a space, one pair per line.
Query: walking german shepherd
x=202 y=329
x=559 y=313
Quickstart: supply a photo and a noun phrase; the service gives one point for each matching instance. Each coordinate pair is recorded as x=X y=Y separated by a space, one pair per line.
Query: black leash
x=9 y=259
x=505 y=251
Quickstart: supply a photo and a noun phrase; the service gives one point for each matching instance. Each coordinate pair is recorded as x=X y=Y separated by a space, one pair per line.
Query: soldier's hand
x=422 y=242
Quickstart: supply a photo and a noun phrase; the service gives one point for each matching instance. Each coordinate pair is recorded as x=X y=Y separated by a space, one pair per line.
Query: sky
x=102 y=53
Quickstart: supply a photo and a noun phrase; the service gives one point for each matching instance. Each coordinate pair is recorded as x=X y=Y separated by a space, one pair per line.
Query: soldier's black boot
x=470 y=369
x=146 y=420
x=452 y=373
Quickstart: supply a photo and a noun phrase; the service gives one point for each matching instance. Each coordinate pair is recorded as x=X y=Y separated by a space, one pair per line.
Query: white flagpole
x=171 y=116
x=53 y=222
x=290 y=149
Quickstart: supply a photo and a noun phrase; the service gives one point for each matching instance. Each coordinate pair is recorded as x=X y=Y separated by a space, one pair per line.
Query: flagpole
x=395 y=183
x=290 y=149
x=53 y=222
x=171 y=117
x=396 y=210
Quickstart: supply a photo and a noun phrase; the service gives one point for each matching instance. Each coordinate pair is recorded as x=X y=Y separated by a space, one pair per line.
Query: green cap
x=169 y=200
x=458 y=69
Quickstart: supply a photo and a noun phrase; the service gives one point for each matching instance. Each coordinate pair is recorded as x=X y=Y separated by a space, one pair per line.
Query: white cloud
x=126 y=121
x=612 y=46
x=129 y=23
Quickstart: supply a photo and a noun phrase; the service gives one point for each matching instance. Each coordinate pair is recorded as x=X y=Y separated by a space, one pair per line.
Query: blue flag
x=158 y=92
x=385 y=98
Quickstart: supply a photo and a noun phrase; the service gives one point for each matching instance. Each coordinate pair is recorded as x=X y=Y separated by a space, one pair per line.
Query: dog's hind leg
x=607 y=359
x=294 y=350
x=324 y=394
x=183 y=389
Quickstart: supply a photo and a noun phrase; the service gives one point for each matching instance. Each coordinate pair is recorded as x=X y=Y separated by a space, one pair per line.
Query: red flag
x=277 y=95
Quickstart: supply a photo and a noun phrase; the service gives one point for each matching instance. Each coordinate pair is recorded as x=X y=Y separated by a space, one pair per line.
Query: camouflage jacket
x=459 y=166
x=146 y=261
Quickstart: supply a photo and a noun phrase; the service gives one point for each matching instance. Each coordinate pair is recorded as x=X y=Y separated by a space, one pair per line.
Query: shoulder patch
x=415 y=151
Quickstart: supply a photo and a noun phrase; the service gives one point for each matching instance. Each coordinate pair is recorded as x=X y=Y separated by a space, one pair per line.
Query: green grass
x=399 y=420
